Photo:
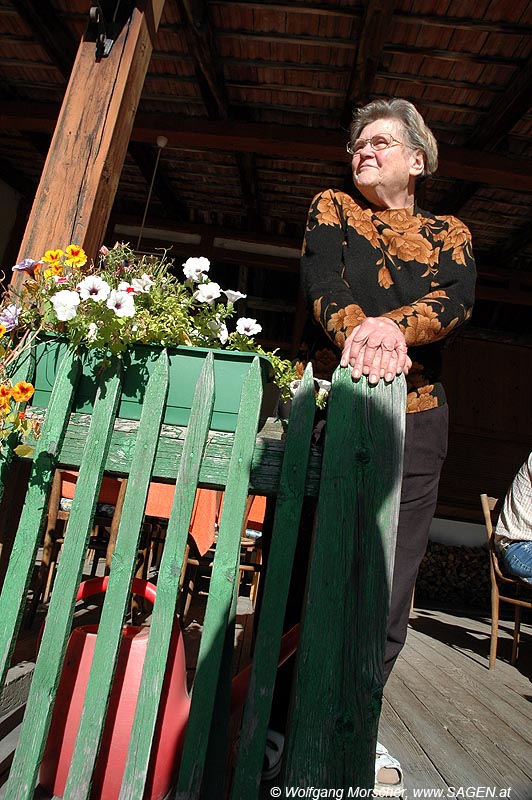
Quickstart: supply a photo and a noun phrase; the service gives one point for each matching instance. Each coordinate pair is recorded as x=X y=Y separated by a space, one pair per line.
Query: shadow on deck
x=449 y=720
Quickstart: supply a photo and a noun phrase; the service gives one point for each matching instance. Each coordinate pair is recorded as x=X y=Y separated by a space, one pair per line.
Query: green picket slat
x=118 y=590
x=60 y=613
x=218 y=615
x=164 y=612
x=249 y=765
x=332 y=736
x=25 y=545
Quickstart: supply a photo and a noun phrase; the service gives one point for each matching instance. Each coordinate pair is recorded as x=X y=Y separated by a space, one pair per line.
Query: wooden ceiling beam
x=200 y=37
x=463 y=24
x=375 y=26
x=496 y=123
x=276 y=140
x=434 y=80
x=47 y=27
x=452 y=55
x=317 y=9
x=249 y=187
x=92 y=132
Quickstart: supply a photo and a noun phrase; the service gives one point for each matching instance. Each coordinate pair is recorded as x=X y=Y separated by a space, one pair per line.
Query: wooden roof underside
x=255 y=99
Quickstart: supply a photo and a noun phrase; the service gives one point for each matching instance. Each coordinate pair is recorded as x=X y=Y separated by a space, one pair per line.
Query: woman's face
x=386 y=177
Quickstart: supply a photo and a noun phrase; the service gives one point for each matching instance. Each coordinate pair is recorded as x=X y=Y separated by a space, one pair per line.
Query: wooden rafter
x=455 y=162
x=248 y=182
x=198 y=30
x=375 y=27
x=503 y=114
x=50 y=32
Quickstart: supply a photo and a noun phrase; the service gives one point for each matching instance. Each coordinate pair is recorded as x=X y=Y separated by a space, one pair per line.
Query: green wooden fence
x=337 y=690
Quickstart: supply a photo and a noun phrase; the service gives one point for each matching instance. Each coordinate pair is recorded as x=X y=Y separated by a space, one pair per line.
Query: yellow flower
x=55 y=265
x=5 y=408
x=55 y=269
x=53 y=256
x=3 y=330
x=22 y=391
x=76 y=256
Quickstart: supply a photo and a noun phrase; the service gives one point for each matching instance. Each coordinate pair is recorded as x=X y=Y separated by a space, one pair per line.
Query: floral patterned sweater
x=413 y=267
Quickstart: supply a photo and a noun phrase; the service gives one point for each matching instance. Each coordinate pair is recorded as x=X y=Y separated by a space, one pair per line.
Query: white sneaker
x=388 y=774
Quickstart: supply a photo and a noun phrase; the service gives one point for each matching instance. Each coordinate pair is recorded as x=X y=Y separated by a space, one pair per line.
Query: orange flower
x=3 y=330
x=326 y=210
x=5 y=391
x=22 y=391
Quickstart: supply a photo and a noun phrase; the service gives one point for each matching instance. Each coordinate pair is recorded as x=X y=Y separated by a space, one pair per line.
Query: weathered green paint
x=247 y=777
x=266 y=464
x=218 y=614
x=118 y=591
x=164 y=612
x=338 y=685
x=36 y=722
x=26 y=542
x=334 y=716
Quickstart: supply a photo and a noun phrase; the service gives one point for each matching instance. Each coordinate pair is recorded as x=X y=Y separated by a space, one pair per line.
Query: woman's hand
x=376 y=348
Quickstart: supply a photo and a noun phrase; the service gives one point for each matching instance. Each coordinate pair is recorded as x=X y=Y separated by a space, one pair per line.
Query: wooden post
x=84 y=163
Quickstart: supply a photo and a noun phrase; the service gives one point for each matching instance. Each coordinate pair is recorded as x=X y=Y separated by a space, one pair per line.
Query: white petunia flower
x=207 y=292
x=220 y=329
x=65 y=304
x=232 y=296
x=122 y=303
x=195 y=268
x=247 y=326
x=94 y=288
x=142 y=284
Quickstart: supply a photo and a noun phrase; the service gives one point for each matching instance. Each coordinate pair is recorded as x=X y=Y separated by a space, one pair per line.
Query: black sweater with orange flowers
x=413 y=267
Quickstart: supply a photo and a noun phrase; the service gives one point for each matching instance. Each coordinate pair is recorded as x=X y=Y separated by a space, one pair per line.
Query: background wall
x=9 y=200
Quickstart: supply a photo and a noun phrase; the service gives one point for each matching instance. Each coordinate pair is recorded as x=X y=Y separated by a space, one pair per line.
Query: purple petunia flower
x=9 y=317
x=26 y=265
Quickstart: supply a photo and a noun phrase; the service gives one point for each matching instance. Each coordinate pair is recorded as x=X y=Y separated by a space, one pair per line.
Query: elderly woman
x=386 y=283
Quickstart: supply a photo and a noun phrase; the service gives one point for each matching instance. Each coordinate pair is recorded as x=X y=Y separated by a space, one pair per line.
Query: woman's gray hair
x=418 y=134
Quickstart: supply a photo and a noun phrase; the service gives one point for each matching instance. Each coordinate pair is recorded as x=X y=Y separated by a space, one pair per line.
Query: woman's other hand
x=376 y=348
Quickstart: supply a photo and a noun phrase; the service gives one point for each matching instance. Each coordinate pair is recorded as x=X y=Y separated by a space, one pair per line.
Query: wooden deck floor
x=448 y=719
x=452 y=722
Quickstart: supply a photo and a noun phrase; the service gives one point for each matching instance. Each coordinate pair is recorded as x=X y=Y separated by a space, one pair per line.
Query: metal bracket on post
x=105 y=31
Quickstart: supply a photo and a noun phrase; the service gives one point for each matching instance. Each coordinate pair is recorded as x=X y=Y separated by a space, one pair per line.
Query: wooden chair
x=500 y=582
x=102 y=538
x=197 y=563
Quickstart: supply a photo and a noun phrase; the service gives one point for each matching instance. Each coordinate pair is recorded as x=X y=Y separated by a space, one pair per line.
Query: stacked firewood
x=454 y=576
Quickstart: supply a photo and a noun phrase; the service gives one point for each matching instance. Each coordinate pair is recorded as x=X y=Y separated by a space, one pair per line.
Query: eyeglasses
x=381 y=141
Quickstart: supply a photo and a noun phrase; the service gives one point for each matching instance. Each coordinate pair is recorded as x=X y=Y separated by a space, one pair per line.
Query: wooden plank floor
x=448 y=719
x=452 y=722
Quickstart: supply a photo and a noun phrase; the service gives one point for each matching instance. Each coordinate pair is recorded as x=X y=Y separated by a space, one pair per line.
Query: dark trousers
x=425 y=450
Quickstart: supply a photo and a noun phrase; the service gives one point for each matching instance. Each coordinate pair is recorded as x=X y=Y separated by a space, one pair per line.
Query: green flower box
x=230 y=368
